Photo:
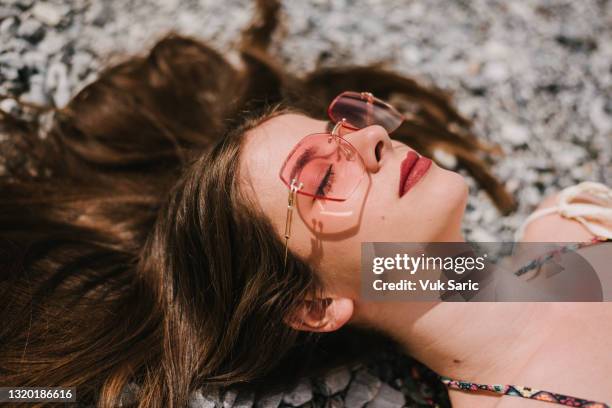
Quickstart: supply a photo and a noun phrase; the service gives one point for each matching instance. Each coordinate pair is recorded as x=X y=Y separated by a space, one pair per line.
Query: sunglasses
x=325 y=165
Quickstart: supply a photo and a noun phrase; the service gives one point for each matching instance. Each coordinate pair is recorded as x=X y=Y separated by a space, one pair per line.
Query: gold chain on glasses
x=290 y=203
x=295 y=187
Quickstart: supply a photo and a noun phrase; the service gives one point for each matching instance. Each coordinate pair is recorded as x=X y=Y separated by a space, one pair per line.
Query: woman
x=155 y=251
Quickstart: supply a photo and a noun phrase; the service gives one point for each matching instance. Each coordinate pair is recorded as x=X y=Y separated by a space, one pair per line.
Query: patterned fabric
x=524 y=392
x=536 y=263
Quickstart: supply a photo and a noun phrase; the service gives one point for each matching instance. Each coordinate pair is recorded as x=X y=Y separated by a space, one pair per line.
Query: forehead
x=266 y=147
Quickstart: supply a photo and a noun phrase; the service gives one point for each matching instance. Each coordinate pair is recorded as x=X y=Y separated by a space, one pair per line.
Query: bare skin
x=560 y=347
x=570 y=356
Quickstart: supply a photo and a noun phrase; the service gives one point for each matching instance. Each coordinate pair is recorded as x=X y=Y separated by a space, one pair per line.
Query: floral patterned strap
x=539 y=261
x=524 y=392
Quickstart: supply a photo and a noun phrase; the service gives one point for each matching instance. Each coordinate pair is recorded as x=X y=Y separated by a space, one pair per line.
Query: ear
x=321 y=315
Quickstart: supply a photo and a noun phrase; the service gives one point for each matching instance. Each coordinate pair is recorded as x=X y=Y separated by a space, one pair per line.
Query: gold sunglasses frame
x=295 y=187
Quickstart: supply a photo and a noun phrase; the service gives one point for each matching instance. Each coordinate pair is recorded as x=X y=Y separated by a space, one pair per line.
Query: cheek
x=341 y=265
x=446 y=192
x=335 y=220
x=434 y=207
x=331 y=233
x=441 y=207
x=331 y=217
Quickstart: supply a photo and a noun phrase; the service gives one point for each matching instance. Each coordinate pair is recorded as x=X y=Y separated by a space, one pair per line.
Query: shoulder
x=553 y=227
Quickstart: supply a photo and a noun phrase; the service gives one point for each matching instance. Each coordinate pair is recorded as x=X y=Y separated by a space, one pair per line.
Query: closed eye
x=326 y=182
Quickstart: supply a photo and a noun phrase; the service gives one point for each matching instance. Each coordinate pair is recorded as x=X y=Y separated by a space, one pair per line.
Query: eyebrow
x=302 y=161
x=307 y=154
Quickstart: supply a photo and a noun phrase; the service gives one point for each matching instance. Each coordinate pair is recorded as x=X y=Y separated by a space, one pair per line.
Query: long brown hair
x=131 y=254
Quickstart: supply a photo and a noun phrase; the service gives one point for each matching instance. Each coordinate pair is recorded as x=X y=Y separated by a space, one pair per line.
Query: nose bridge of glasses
x=350 y=148
x=343 y=147
x=367 y=96
x=341 y=128
x=335 y=135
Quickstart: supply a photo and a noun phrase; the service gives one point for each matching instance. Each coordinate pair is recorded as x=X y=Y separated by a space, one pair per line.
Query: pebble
x=512 y=185
x=496 y=71
x=23 y=4
x=387 y=397
x=198 y=400
x=335 y=381
x=269 y=400
x=9 y=26
x=52 y=43
x=335 y=402
x=600 y=114
x=6 y=12
x=568 y=158
x=515 y=133
x=481 y=235
x=301 y=394
x=36 y=94
x=35 y=60
x=11 y=59
x=530 y=196
x=49 y=13
x=17 y=44
x=99 y=13
x=229 y=398
x=8 y=105
x=362 y=390
x=9 y=74
x=244 y=400
x=445 y=159
x=57 y=83
x=81 y=66
x=32 y=30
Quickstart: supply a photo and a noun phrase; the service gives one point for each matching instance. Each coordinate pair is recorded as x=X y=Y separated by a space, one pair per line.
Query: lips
x=412 y=169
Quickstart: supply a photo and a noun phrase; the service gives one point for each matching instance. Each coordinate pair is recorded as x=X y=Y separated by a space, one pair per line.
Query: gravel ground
x=535 y=75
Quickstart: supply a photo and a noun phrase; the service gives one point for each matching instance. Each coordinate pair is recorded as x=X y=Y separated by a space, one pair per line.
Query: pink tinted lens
x=360 y=113
x=329 y=167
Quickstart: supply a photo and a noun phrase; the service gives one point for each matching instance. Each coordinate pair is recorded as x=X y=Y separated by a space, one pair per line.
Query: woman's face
x=328 y=234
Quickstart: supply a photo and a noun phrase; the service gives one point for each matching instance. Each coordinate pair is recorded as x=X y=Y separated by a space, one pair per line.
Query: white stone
x=198 y=400
x=48 y=13
x=444 y=158
x=515 y=133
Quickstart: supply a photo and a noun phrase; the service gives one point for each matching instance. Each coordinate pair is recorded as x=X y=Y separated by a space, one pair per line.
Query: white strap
x=592 y=215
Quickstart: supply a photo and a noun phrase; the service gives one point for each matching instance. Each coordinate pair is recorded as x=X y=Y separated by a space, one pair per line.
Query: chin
x=450 y=200
x=458 y=192
x=462 y=190
x=450 y=189
x=432 y=211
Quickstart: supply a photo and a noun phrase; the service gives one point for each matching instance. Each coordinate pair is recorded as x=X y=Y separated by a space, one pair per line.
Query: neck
x=481 y=342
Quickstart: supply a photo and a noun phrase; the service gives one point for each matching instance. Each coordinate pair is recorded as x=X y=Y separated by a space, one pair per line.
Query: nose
x=373 y=144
